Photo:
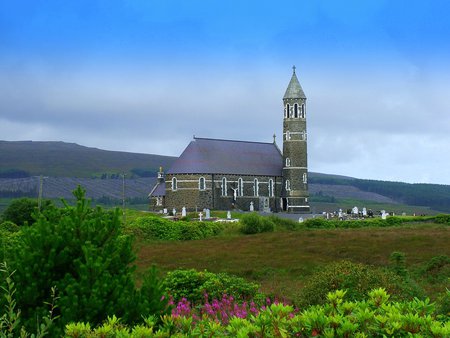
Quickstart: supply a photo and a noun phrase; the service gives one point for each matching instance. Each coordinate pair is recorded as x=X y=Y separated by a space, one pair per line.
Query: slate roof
x=214 y=156
x=158 y=190
x=294 y=90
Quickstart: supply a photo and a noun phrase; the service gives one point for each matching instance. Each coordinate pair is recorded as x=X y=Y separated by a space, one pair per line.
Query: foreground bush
x=152 y=227
x=193 y=285
x=376 y=316
x=357 y=279
x=82 y=252
x=253 y=223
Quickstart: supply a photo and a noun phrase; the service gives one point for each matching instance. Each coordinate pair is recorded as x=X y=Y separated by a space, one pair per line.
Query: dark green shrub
x=443 y=304
x=252 y=223
x=397 y=262
x=9 y=237
x=357 y=279
x=20 y=211
x=437 y=269
x=83 y=253
x=442 y=219
x=285 y=223
x=153 y=227
x=193 y=285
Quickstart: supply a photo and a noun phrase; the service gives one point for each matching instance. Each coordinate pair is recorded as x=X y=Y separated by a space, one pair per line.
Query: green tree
x=20 y=211
x=83 y=252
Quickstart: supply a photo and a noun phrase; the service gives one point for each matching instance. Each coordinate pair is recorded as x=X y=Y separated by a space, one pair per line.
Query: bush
x=152 y=227
x=193 y=285
x=357 y=279
x=285 y=223
x=83 y=253
x=442 y=218
x=20 y=211
x=253 y=223
x=437 y=269
x=9 y=237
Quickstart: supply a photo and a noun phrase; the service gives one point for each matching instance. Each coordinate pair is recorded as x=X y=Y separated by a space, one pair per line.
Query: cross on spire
x=293 y=68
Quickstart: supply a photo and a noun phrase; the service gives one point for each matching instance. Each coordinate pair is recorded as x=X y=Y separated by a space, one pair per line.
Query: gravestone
x=229 y=214
x=364 y=212
x=200 y=216
x=300 y=220
x=208 y=214
x=251 y=207
x=174 y=211
x=165 y=211
x=183 y=212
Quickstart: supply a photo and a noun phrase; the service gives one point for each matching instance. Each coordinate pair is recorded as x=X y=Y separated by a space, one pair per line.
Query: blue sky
x=144 y=76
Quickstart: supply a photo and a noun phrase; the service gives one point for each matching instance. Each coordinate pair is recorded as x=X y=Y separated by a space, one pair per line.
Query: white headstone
x=200 y=216
x=251 y=207
x=183 y=212
x=165 y=210
x=403 y=213
x=174 y=211
x=383 y=215
x=300 y=220
x=364 y=212
x=229 y=214
x=355 y=210
x=208 y=214
x=340 y=213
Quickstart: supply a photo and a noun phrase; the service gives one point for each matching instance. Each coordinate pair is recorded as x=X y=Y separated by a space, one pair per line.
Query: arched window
x=305 y=178
x=201 y=183
x=224 y=186
x=240 y=187
x=288 y=185
x=271 y=194
x=288 y=135
x=174 y=184
x=303 y=112
x=255 y=187
x=296 y=110
x=288 y=110
x=288 y=162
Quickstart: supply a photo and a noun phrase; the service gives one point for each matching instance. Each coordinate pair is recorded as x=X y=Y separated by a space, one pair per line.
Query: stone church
x=226 y=174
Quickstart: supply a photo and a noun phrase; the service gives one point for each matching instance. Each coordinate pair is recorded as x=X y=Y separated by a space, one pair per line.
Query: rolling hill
x=66 y=165
x=61 y=159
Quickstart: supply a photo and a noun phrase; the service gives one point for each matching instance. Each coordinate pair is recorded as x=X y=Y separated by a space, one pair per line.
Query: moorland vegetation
x=80 y=271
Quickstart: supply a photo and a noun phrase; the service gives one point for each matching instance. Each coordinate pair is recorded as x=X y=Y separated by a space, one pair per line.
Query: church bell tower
x=295 y=164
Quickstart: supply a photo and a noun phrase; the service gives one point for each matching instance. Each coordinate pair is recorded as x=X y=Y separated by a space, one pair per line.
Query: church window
x=288 y=162
x=296 y=110
x=271 y=188
x=240 y=187
x=201 y=183
x=224 y=186
x=159 y=201
x=288 y=110
x=305 y=178
x=288 y=185
x=174 y=184
x=255 y=187
x=303 y=111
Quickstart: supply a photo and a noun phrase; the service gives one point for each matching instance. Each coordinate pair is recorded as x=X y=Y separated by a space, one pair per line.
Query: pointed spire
x=294 y=90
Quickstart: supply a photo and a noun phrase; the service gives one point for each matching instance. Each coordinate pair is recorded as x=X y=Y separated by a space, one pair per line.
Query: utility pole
x=123 y=199
x=41 y=183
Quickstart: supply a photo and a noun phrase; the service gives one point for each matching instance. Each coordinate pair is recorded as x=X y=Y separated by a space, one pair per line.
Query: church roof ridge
x=226 y=140
x=294 y=89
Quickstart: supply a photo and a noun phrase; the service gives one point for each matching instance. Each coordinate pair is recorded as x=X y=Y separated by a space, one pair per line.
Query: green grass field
x=281 y=261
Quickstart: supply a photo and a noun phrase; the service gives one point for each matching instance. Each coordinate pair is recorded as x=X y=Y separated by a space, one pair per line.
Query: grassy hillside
x=282 y=261
x=60 y=159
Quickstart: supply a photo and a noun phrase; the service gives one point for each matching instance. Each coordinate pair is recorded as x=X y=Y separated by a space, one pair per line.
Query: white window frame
x=255 y=187
x=288 y=162
x=240 y=187
x=305 y=178
x=224 y=186
x=174 y=184
x=288 y=185
x=200 y=184
x=271 y=188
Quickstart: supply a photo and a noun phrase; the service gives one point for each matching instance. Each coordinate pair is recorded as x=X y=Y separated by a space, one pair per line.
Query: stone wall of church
x=189 y=194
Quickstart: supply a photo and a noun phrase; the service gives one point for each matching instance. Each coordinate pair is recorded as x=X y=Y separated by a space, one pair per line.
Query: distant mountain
x=60 y=159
